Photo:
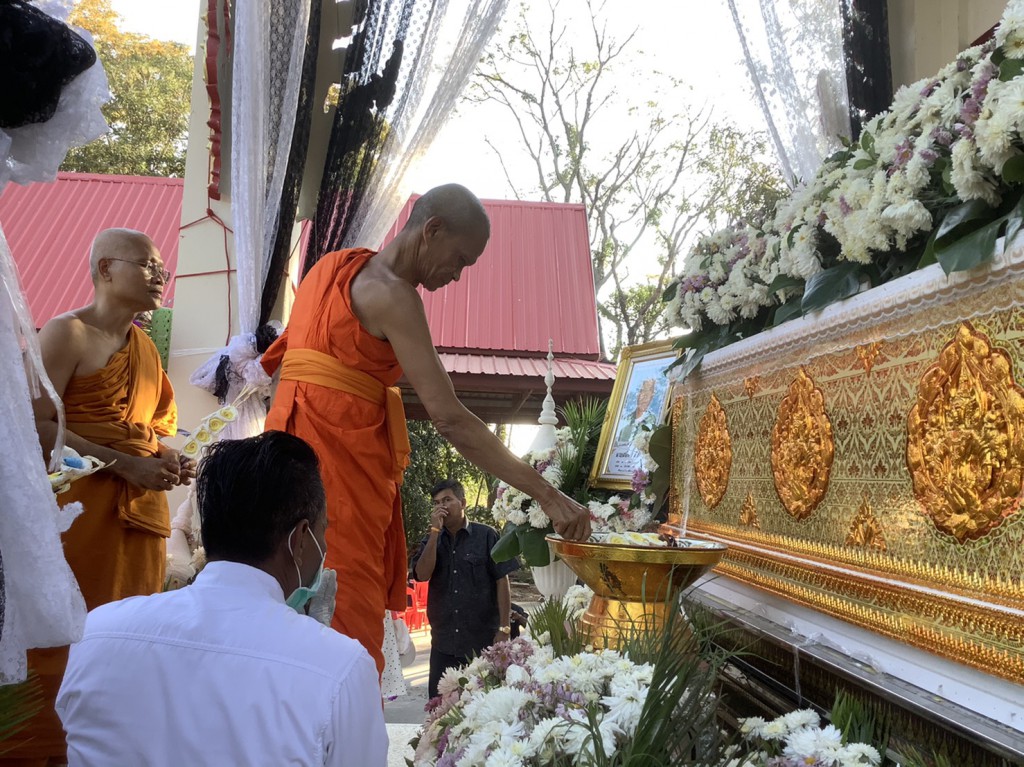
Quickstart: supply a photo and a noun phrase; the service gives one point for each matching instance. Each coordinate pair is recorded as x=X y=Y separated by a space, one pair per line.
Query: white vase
x=553 y=580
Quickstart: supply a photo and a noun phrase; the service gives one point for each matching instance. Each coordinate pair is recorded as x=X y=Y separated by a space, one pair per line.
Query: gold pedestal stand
x=634 y=587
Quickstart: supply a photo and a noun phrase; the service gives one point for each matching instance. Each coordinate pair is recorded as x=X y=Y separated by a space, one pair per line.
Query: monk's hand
x=187 y=470
x=570 y=519
x=149 y=473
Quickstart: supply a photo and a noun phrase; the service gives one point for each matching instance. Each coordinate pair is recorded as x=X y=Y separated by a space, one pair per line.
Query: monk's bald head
x=119 y=244
x=458 y=207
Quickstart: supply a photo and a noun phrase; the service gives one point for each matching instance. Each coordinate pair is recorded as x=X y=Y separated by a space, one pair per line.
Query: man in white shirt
x=229 y=671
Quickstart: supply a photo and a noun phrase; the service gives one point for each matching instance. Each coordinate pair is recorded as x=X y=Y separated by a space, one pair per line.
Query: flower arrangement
x=938 y=177
x=797 y=740
x=548 y=701
x=567 y=467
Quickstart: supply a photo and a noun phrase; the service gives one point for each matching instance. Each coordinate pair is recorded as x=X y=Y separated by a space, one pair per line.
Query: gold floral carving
x=865 y=531
x=748 y=514
x=751 y=386
x=867 y=354
x=965 y=438
x=712 y=454
x=802 y=447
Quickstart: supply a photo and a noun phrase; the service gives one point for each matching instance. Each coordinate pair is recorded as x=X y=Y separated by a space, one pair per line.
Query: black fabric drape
x=277 y=268
x=378 y=76
x=868 y=65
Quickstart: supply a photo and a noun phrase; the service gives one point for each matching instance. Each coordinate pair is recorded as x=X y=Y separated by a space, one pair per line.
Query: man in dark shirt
x=469 y=599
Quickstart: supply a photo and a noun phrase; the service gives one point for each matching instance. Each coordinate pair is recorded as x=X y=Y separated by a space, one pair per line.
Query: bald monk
x=117 y=401
x=357 y=324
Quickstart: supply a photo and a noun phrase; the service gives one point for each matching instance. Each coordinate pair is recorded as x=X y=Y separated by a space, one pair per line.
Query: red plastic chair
x=414 y=614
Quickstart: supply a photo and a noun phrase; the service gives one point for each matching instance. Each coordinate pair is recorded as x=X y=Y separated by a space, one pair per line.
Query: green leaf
x=508 y=544
x=831 y=285
x=867 y=142
x=947 y=179
x=691 y=361
x=863 y=164
x=783 y=281
x=786 y=311
x=962 y=219
x=534 y=546
x=1013 y=170
x=1014 y=222
x=971 y=249
x=660 y=448
x=670 y=292
x=688 y=340
x=928 y=256
x=1011 y=68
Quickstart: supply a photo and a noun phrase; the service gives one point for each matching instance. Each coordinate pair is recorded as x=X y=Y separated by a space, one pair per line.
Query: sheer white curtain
x=268 y=49
x=463 y=29
x=794 y=53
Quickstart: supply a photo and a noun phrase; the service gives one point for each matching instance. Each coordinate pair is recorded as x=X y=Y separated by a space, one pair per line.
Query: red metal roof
x=534 y=281
x=50 y=228
x=530 y=367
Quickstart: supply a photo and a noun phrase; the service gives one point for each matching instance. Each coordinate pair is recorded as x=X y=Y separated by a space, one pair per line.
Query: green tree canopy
x=150 y=85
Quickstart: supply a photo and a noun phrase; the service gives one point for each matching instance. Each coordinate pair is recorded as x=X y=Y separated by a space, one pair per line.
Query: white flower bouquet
x=938 y=177
x=567 y=467
x=797 y=739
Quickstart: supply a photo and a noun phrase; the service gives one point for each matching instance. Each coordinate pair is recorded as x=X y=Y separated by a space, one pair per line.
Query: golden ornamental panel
x=712 y=454
x=965 y=438
x=865 y=530
x=802 y=447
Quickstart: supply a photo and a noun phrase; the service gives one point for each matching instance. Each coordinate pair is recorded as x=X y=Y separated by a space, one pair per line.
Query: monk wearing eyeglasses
x=118 y=402
x=357 y=325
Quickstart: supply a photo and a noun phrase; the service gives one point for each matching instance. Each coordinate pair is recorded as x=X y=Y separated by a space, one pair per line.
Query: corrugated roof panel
x=530 y=367
x=534 y=281
x=50 y=228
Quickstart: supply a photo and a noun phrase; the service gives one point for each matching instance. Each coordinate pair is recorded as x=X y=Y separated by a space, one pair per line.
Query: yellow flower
x=228 y=413
x=216 y=424
x=203 y=436
x=191 y=449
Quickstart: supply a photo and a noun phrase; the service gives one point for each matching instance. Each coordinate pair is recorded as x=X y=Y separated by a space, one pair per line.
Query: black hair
x=458 y=207
x=252 y=493
x=449 y=484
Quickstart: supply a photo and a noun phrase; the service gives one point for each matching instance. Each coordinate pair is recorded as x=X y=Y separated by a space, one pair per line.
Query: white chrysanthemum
x=449 y=681
x=1010 y=26
x=625 y=704
x=516 y=675
x=537 y=517
x=967 y=178
x=751 y=726
x=777 y=729
x=517 y=516
x=855 y=754
x=803 y=717
x=908 y=218
x=502 y=704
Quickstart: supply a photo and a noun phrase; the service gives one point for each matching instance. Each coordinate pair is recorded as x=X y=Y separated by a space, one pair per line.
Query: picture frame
x=640 y=397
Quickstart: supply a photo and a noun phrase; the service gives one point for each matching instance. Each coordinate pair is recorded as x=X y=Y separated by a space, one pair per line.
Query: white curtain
x=462 y=30
x=268 y=49
x=794 y=54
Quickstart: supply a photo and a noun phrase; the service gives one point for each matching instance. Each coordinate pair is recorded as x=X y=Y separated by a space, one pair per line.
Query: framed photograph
x=640 y=399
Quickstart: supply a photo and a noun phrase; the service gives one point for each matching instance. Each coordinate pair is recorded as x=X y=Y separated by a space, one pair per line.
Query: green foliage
x=431 y=460
x=18 y=704
x=554 y=618
x=859 y=722
x=584 y=419
x=150 y=86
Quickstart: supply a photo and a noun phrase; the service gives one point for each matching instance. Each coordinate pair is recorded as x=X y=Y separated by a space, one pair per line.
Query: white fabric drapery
x=463 y=29
x=794 y=54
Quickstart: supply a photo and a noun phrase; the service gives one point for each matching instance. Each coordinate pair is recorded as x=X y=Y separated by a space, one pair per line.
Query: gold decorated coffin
x=868 y=462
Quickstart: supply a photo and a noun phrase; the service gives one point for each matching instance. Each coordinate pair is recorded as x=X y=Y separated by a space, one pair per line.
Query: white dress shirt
x=222 y=673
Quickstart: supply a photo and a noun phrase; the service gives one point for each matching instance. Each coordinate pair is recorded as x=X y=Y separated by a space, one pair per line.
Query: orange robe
x=365 y=535
x=116 y=548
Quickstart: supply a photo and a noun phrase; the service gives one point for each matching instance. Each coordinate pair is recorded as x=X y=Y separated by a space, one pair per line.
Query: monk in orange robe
x=117 y=401
x=356 y=326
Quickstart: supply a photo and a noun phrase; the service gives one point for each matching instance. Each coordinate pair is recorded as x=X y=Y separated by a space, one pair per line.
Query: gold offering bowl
x=634 y=586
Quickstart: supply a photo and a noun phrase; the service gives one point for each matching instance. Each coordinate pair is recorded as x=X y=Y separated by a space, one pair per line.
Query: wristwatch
x=505 y=629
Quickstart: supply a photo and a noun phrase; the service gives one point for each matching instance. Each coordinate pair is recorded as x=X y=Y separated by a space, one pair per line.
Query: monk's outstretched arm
x=396 y=309
x=61 y=344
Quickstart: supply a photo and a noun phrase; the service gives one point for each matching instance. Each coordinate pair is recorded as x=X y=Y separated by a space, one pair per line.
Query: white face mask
x=298 y=599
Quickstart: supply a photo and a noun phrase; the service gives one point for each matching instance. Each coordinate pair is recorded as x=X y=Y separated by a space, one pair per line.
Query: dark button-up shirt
x=462 y=601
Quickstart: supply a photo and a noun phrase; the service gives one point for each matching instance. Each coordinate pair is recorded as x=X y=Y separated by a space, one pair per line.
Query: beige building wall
x=925 y=35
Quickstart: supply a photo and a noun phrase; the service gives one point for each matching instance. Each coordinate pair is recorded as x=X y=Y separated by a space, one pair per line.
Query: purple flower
x=928 y=155
x=931 y=86
x=509 y=653
x=844 y=207
x=942 y=137
x=904 y=151
x=640 y=481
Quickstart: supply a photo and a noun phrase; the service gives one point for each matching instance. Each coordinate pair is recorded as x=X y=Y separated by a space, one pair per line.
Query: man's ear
x=301 y=534
x=433 y=227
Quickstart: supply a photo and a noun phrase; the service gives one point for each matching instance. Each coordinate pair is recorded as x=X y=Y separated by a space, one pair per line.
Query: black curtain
x=380 y=67
x=868 y=65
x=278 y=266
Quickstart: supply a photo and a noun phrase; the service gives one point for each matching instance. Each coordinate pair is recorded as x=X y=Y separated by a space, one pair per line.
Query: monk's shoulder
x=68 y=330
x=381 y=289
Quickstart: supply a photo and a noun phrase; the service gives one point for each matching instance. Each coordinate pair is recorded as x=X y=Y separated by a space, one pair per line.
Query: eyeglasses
x=151 y=268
